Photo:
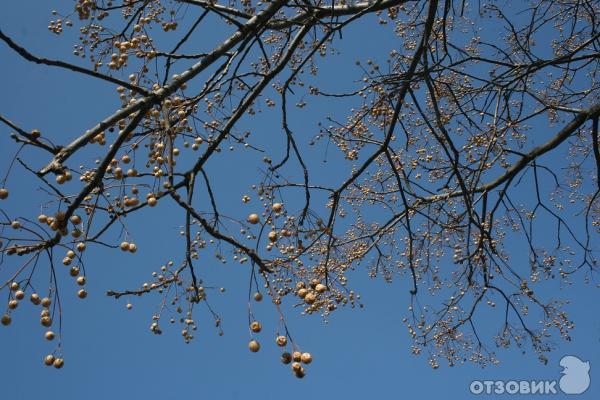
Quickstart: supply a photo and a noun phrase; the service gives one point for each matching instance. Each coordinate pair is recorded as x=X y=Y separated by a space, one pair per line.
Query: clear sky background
x=109 y=351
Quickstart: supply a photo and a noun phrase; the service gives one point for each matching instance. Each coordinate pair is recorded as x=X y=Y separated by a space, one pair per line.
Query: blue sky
x=109 y=351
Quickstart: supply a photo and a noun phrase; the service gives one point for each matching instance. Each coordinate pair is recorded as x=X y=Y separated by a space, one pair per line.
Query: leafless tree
x=443 y=159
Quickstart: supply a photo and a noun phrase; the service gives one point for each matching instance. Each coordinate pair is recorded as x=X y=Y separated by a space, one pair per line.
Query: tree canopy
x=469 y=128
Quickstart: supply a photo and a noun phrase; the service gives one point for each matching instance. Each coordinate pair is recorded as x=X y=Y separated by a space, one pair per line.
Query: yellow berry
x=310 y=298
x=320 y=288
x=306 y=358
x=272 y=236
x=35 y=298
x=6 y=320
x=254 y=346
x=281 y=341
x=255 y=327
x=296 y=366
x=286 y=358
x=49 y=360
x=58 y=363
